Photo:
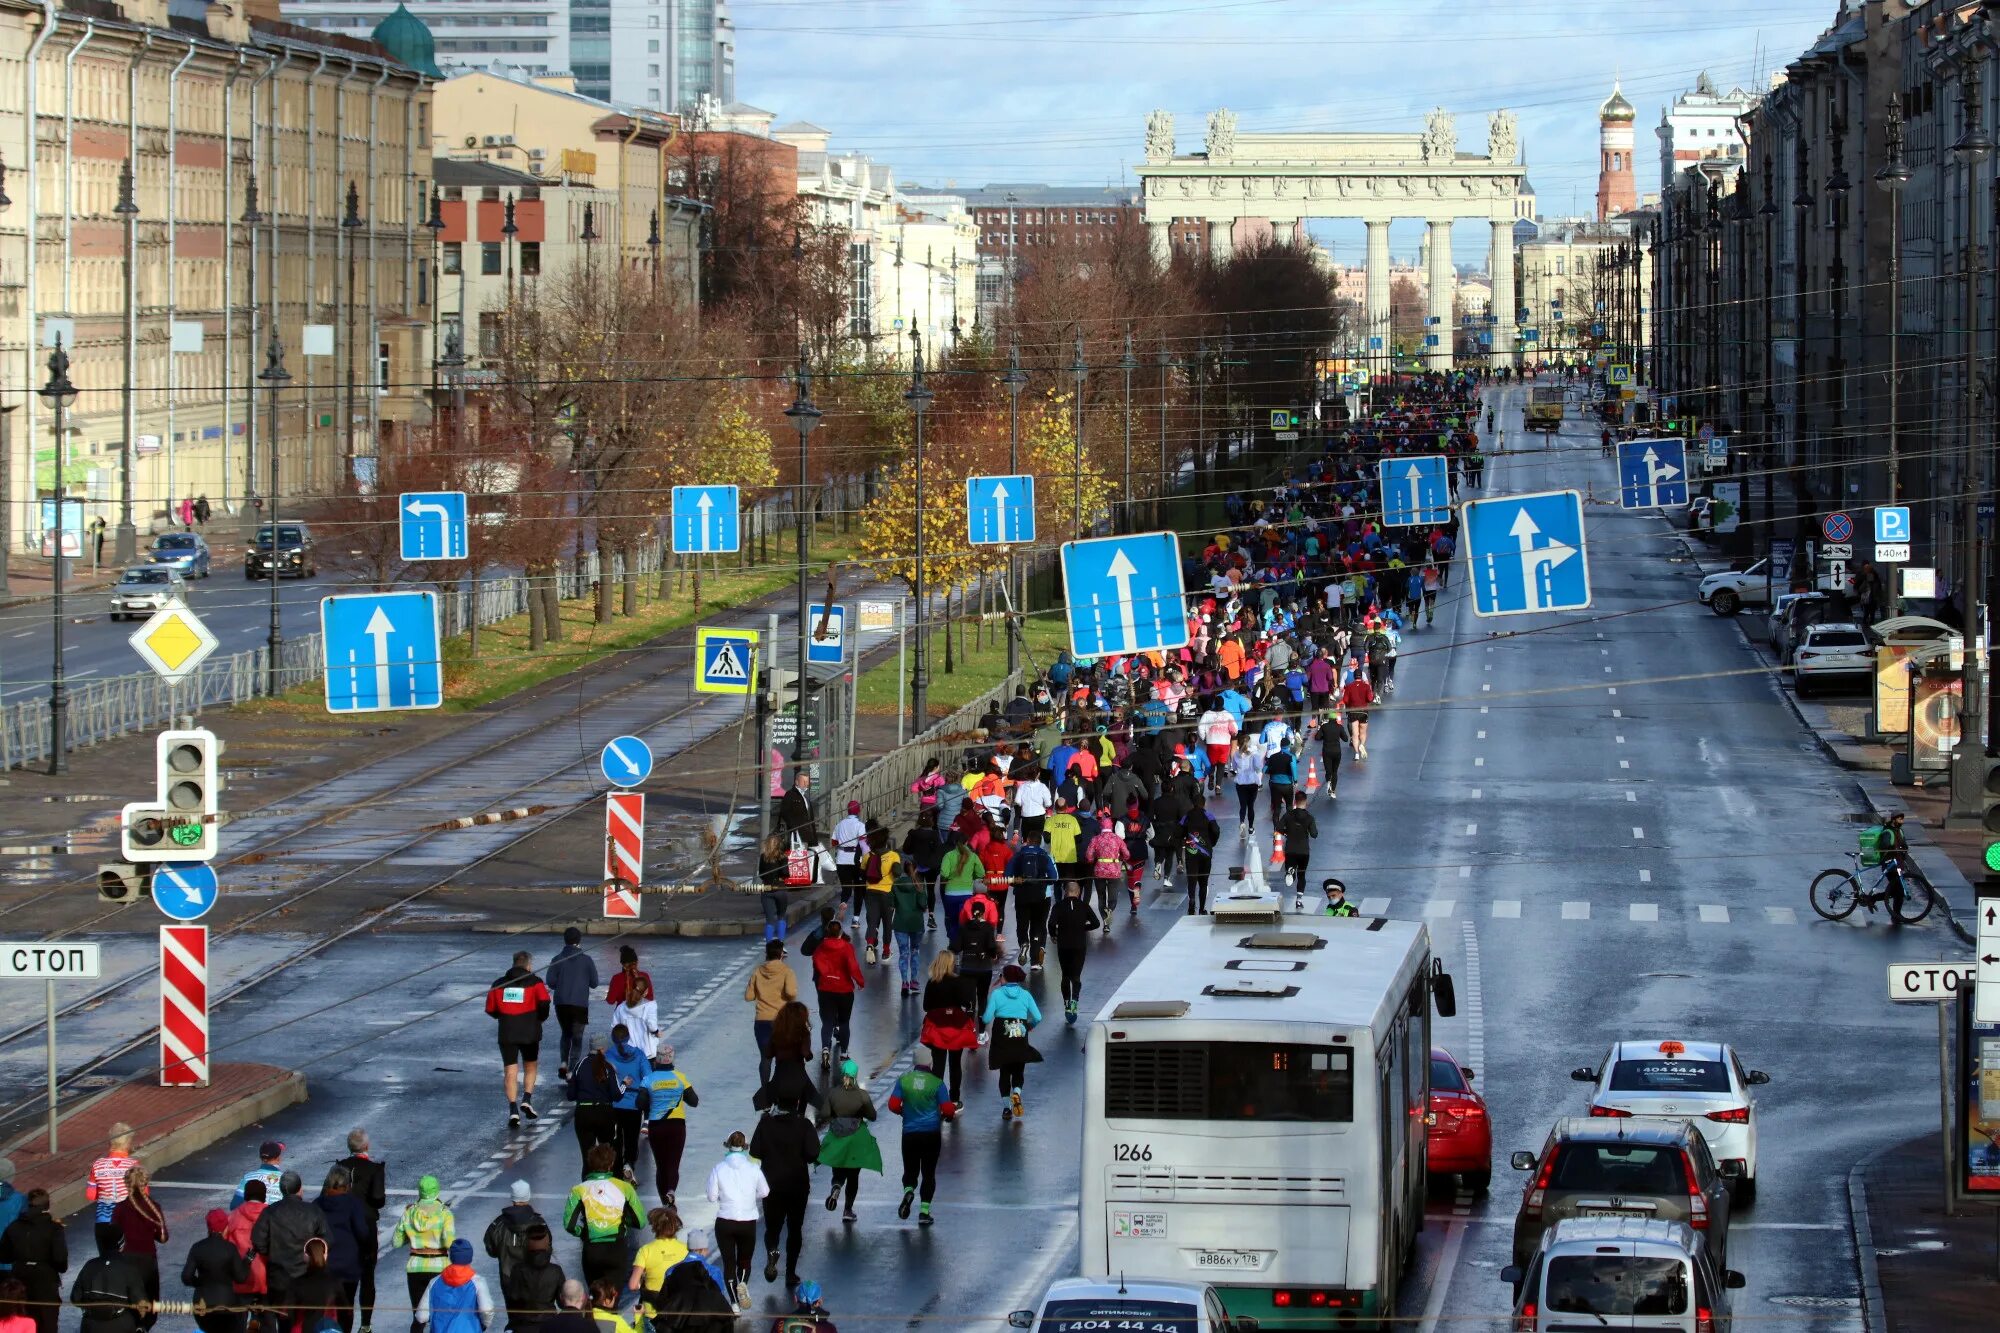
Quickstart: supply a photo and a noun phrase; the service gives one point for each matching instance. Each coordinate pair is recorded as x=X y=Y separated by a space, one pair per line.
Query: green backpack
x=1870 y=840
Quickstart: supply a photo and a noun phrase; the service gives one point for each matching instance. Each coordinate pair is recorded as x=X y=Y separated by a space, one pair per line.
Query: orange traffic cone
x=1277 y=849
x=1312 y=775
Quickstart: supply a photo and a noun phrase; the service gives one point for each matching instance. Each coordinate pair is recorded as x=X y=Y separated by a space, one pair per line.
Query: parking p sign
x=1892 y=524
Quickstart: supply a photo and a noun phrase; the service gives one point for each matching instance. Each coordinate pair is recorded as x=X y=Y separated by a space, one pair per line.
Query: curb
x=1874 y=1310
x=805 y=907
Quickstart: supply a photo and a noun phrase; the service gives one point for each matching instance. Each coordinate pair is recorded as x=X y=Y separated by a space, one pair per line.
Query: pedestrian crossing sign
x=1619 y=375
x=726 y=661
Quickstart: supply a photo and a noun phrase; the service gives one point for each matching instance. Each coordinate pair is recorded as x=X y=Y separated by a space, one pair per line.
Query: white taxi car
x=1700 y=1081
x=1169 y=1305
x=1832 y=653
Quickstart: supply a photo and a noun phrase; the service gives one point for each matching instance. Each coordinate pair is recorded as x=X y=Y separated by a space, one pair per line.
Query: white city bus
x=1254 y=1112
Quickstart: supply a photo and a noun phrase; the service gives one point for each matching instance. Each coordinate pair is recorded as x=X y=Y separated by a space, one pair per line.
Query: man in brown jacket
x=772 y=986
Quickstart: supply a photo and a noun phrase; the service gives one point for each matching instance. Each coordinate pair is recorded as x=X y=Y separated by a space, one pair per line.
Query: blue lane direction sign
x=725 y=661
x=1525 y=554
x=1415 y=490
x=432 y=524
x=705 y=520
x=826 y=634
x=1124 y=594
x=1652 y=473
x=382 y=651
x=1892 y=524
x=626 y=761
x=999 y=511
x=185 y=890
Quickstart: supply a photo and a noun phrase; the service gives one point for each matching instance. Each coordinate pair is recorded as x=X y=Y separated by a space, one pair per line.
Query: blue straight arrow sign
x=1415 y=490
x=1652 y=473
x=704 y=520
x=1124 y=594
x=382 y=651
x=999 y=511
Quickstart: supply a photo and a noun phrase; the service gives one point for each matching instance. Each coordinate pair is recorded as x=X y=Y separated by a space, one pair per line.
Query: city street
x=1607 y=819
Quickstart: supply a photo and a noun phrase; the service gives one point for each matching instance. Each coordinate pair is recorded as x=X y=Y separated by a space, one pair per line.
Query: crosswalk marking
x=1514 y=909
x=1374 y=907
x=1645 y=875
x=1645 y=911
x=1472 y=830
x=1576 y=911
x=1712 y=912
x=1440 y=907
x=1479 y=762
x=1781 y=916
x=1508 y=907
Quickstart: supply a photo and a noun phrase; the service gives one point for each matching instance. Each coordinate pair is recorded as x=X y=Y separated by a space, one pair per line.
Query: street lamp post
x=1837 y=188
x=1080 y=372
x=1893 y=176
x=350 y=227
x=435 y=224
x=252 y=219
x=1128 y=363
x=1967 y=768
x=60 y=395
x=804 y=417
x=452 y=363
x=274 y=377
x=1015 y=380
x=652 y=249
x=1160 y=496
x=919 y=397
x=127 y=538
x=7 y=411
x=509 y=231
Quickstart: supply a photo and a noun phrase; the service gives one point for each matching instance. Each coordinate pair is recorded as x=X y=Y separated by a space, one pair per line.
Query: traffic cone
x=1312 y=775
x=1277 y=849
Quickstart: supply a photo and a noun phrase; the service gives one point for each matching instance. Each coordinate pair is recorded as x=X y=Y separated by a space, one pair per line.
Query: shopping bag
x=799 y=863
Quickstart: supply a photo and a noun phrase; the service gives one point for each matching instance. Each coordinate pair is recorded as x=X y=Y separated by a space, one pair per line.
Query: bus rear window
x=1185 y=1080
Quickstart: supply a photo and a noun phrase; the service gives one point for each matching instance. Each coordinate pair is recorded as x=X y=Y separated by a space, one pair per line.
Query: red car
x=1461 y=1135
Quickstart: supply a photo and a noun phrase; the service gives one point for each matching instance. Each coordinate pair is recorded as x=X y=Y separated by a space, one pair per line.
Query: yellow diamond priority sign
x=174 y=642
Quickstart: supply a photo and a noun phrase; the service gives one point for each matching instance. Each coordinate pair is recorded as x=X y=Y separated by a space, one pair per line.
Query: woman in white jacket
x=640 y=1014
x=737 y=1188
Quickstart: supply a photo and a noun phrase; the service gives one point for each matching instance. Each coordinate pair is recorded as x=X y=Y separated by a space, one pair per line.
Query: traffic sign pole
x=184 y=1006
x=49 y=962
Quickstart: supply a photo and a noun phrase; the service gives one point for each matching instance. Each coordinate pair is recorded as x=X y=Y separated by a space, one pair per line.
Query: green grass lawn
x=976 y=672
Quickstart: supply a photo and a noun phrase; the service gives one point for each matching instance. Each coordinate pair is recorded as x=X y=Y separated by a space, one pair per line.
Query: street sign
x=626 y=761
x=184 y=1006
x=624 y=847
x=173 y=641
x=1525 y=553
x=1285 y=436
x=32 y=960
x=382 y=651
x=1124 y=594
x=1837 y=551
x=1892 y=524
x=1374 y=344
x=1837 y=528
x=432 y=525
x=876 y=615
x=1620 y=375
x=185 y=890
x=1416 y=491
x=1652 y=474
x=1919 y=581
x=725 y=660
x=621 y=900
x=705 y=520
x=1280 y=419
x=1718 y=450
x=999 y=511
x=1986 y=995
x=1930 y=981
x=1892 y=553
x=826 y=634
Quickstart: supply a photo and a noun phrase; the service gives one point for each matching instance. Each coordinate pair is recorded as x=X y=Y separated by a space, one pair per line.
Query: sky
x=976 y=92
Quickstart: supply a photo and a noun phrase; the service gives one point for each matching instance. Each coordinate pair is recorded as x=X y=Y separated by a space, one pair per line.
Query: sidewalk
x=169 y=1123
x=1920 y=1269
x=31 y=578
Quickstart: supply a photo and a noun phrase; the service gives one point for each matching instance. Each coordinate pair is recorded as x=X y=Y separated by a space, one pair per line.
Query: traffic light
x=179 y=824
x=123 y=882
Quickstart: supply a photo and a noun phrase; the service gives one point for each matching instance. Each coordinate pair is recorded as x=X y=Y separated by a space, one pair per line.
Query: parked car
x=1697 y=514
x=1461 y=1134
x=1832 y=653
x=144 y=589
x=1730 y=590
x=1602 y=1272
x=1794 y=612
x=284 y=549
x=1172 y=1305
x=184 y=551
x=1621 y=1166
x=1699 y=1081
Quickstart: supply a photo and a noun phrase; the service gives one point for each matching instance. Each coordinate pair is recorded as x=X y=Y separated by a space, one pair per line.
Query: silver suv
x=144 y=589
x=1591 y=1273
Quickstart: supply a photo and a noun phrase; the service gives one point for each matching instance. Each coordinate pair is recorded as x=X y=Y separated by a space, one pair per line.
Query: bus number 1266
x=1131 y=1152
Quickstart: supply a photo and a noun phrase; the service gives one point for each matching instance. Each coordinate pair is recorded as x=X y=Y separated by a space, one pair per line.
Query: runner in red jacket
x=836 y=976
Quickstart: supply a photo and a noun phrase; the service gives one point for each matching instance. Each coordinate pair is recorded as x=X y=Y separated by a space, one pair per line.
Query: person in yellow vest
x=669 y=1095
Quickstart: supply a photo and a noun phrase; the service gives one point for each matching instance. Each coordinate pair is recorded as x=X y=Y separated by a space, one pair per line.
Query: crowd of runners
x=1011 y=858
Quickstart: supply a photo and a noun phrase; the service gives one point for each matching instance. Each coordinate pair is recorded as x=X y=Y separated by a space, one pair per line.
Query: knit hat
x=849 y=1069
x=854 y=807
x=1012 y=972
x=271 y=1149
x=427 y=1187
x=218 y=1220
x=700 y=1239
x=461 y=1251
x=520 y=1192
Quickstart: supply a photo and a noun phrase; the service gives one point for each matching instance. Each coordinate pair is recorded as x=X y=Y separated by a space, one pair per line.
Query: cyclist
x=1895 y=851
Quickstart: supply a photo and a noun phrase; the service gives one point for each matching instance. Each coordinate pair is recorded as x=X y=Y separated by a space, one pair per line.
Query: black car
x=283 y=549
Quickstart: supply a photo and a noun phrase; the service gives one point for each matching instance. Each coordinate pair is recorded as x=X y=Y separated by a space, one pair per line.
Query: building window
x=381 y=367
x=423 y=282
x=531 y=259
x=489 y=333
x=653 y=46
x=489 y=258
x=451 y=257
x=451 y=331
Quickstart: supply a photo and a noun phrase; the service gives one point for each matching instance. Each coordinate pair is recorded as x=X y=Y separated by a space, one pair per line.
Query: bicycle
x=1835 y=893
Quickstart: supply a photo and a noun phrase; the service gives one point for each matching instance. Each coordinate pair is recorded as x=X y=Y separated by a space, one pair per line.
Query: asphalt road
x=1608 y=819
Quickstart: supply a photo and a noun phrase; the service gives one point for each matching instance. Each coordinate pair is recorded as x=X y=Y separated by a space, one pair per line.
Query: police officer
x=1336 y=899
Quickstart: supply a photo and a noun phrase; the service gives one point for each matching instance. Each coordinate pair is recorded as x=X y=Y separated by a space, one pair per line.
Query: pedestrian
x=695 y=1297
x=97 y=527
x=350 y=1235
x=1033 y=872
x=906 y=922
x=572 y=1310
x=270 y=1169
x=980 y=946
x=1199 y=835
x=668 y=1096
x=12 y=1202
x=629 y=972
x=771 y=986
x=1066 y=841
x=962 y=872
x=1355 y=699
x=1246 y=770
x=14 y=1315
x=281 y=1233
x=593 y=1089
x=201 y=510
x=571 y=977
x=1332 y=740
x=785 y=1146
x=923 y=854
x=313 y=1300
x=1108 y=857
x=1072 y=923
x=791 y=1052
x=1010 y=1014
x=737 y=1188
x=37 y=1254
x=849 y=1148
x=506 y=1238
x=212 y=1270
x=602 y=1211
x=795 y=814
x=368 y=1179
x=632 y=1069
x=105 y=1185
x=429 y=1229
x=109 y=1295
x=241 y=1224
x=808 y=1314
x=1281 y=774
x=519 y=1003
x=534 y=1290
x=836 y=977
x=850 y=846
x=639 y=1014
x=1299 y=829
x=1033 y=798
x=924 y=1104
x=604 y=1314
x=878 y=878
x=950 y=1021
x=1336 y=898
x=655 y=1259
x=142 y=1229
x=186 y=510
x=774 y=868
x=456 y=1300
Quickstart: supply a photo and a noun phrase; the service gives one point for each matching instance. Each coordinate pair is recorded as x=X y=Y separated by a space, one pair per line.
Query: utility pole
x=350 y=227
x=1160 y=496
x=60 y=395
x=1968 y=777
x=919 y=398
x=275 y=377
x=1015 y=380
x=1080 y=371
x=1128 y=363
x=804 y=417
x=126 y=539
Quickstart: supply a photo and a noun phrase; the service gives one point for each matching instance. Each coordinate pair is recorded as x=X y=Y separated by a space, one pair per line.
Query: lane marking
x=1482 y=735
x=1479 y=762
x=1638 y=832
x=1573 y=912
x=1645 y=911
x=1508 y=909
x=1465 y=872
x=1619 y=739
x=1645 y=876
x=1617 y=712
x=1713 y=913
x=1632 y=796
x=1440 y=907
x=1624 y=763
x=1781 y=916
x=1471 y=830
x=1378 y=907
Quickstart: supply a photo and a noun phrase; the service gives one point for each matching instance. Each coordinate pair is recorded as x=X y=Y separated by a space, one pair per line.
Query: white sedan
x=1832 y=653
x=1170 y=1305
x=1700 y=1081
x=1727 y=592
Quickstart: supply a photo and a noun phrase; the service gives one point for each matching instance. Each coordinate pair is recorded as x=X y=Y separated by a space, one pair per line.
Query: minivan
x=1594 y=1273
x=1645 y=1168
